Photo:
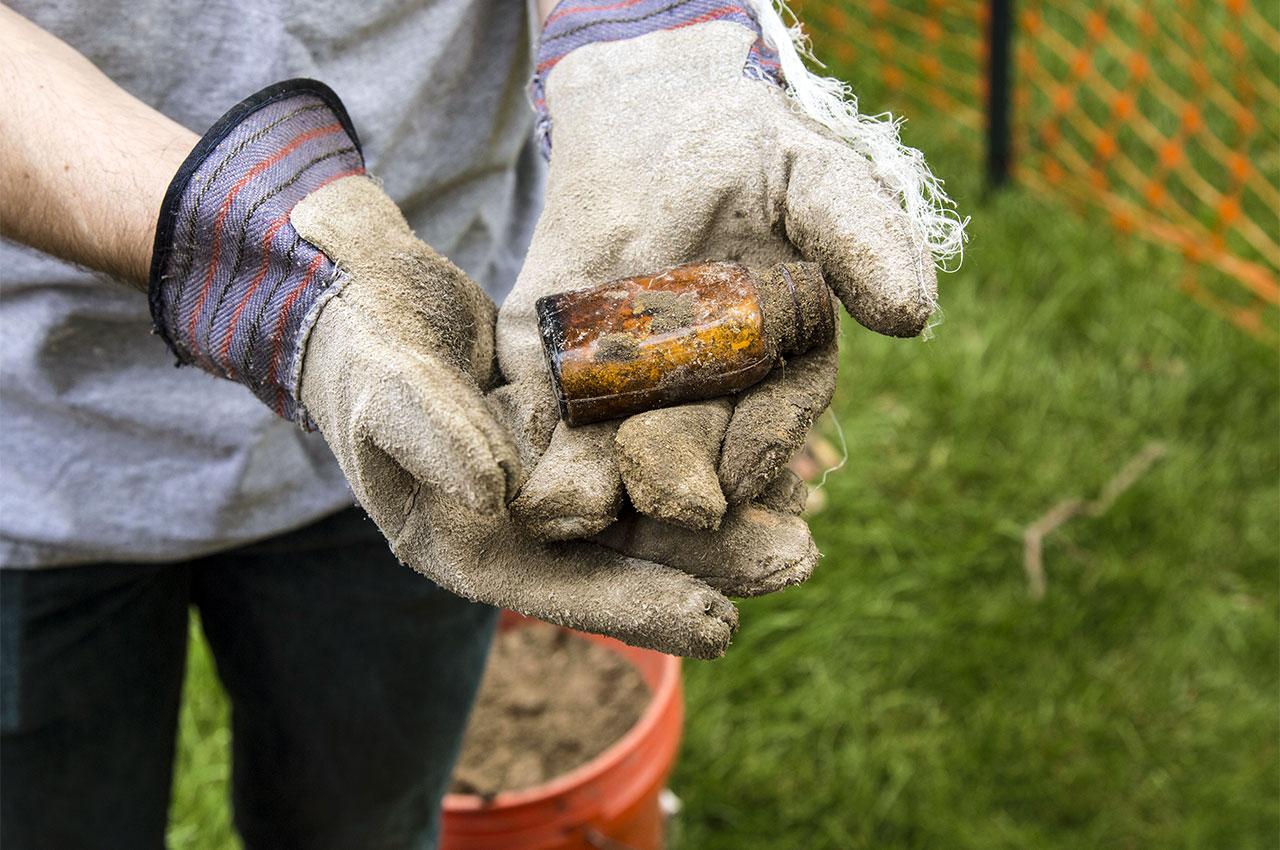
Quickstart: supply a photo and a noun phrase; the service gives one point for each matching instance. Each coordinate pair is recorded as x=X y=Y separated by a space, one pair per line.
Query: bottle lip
x=799 y=276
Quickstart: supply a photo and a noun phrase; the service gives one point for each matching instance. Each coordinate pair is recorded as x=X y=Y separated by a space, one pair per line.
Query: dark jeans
x=350 y=678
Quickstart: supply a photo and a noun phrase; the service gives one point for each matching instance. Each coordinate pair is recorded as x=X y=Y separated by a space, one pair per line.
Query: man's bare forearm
x=84 y=165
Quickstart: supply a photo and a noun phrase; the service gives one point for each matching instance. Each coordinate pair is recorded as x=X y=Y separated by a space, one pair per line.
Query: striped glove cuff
x=574 y=23
x=234 y=288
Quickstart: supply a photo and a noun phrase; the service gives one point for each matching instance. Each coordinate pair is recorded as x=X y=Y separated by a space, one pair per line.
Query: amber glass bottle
x=693 y=332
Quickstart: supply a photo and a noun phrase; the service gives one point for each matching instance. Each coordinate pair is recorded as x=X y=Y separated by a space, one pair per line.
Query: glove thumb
x=839 y=216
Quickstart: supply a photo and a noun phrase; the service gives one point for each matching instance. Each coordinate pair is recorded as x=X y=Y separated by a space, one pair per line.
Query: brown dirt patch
x=549 y=702
x=617 y=347
x=668 y=311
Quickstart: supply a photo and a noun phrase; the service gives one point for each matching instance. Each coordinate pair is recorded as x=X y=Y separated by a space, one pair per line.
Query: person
x=187 y=151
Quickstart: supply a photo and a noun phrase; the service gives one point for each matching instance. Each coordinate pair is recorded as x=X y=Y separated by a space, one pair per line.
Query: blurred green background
x=913 y=694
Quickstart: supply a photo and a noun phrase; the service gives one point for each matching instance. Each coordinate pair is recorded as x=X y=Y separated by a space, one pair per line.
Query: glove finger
x=638 y=602
x=432 y=422
x=668 y=459
x=874 y=258
x=378 y=404
x=528 y=410
x=753 y=552
x=771 y=419
x=580 y=585
x=786 y=493
x=576 y=489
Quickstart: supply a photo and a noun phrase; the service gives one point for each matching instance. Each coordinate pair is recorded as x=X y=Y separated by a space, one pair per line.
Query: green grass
x=200 y=817
x=912 y=695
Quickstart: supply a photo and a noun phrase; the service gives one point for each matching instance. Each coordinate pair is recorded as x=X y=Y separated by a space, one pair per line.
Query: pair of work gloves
x=281 y=264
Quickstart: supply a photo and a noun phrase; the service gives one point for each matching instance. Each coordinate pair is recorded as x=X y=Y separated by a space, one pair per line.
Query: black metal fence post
x=999 y=92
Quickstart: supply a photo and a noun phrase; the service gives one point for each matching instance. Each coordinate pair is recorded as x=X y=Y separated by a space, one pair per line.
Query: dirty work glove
x=672 y=140
x=281 y=265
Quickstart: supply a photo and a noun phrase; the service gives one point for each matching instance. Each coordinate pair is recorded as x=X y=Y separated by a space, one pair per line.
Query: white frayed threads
x=901 y=169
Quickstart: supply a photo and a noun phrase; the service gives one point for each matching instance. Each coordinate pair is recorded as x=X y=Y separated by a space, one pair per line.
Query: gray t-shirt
x=108 y=452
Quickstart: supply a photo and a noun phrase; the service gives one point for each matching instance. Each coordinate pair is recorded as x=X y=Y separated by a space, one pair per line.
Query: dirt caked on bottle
x=693 y=332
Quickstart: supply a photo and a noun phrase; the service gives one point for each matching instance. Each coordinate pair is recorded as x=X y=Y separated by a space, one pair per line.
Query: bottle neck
x=796 y=303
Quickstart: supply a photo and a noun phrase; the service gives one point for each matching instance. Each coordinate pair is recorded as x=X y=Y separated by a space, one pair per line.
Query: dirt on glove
x=549 y=702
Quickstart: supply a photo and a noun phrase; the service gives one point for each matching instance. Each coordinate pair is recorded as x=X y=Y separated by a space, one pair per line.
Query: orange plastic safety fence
x=1164 y=114
x=925 y=55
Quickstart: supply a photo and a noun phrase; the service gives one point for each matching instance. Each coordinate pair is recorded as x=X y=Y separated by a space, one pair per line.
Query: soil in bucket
x=549 y=702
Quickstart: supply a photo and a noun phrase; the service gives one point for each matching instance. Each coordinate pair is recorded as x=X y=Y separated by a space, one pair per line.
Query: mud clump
x=667 y=311
x=549 y=702
x=617 y=347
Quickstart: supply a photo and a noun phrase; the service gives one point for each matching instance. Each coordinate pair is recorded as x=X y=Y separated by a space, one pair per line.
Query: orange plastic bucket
x=609 y=802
